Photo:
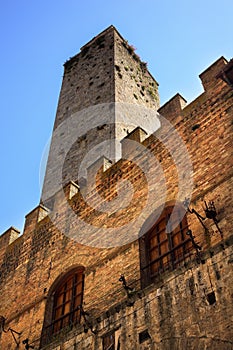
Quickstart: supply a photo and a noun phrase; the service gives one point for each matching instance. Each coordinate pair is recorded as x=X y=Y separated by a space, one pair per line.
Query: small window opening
x=211 y=298
x=143 y=336
x=109 y=341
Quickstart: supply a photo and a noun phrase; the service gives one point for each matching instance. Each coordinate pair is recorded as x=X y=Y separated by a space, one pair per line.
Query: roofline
x=111 y=27
x=172 y=98
x=220 y=58
x=100 y=34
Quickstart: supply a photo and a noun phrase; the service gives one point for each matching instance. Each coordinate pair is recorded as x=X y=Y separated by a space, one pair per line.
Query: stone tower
x=102 y=88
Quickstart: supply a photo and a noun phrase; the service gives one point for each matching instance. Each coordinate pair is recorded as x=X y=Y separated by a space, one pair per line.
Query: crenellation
x=130 y=142
x=32 y=218
x=9 y=236
x=209 y=76
x=172 y=110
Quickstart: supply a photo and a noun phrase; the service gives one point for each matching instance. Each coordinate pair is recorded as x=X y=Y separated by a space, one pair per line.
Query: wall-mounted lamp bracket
x=87 y=322
x=13 y=332
x=195 y=245
x=193 y=211
x=210 y=213
x=27 y=345
x=129 y=290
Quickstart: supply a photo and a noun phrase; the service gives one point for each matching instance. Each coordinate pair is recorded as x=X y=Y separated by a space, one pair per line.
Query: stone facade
x=186 y=307
x=106 y=73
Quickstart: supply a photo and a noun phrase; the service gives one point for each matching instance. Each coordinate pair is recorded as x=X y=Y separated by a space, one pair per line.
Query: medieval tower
x=130 y=246
x=98 y=85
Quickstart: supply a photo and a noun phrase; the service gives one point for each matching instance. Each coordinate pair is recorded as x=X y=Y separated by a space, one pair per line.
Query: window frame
x=108 y=341
x=111 y=340
x=170 y=251
x=63 y=291
x=49 y=331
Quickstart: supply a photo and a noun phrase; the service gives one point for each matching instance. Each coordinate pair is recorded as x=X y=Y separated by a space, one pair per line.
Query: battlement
x=176 y=109
x=209 y=76
x=8 y=237
x=35 y=216
x=226 y=74
x=172 y=109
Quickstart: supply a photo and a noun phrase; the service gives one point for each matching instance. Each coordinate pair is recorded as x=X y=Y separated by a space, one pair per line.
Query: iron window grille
x=64 y=306
x=165 y=246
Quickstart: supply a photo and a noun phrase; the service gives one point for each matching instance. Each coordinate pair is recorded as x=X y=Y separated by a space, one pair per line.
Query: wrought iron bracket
x=195 y=245
x=27 y=345
x=13 y=332
x=129 y=291
x=210 y=213
x=87 y=322
x=193 y=211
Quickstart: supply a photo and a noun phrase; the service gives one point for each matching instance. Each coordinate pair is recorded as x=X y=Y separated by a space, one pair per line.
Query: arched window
x=165 y=245
x=64 y=303
x=67 y=301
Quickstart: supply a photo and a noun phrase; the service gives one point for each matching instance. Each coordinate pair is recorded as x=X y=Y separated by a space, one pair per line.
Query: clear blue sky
x=178 y=39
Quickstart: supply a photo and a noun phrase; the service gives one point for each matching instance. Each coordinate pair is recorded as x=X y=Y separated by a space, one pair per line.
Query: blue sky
x=178 y=39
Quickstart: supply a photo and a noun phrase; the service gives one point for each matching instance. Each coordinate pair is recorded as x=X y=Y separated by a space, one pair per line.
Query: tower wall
x=100 y=85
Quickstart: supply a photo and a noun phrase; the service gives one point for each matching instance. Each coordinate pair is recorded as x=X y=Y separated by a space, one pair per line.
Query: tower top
x=111 y=28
